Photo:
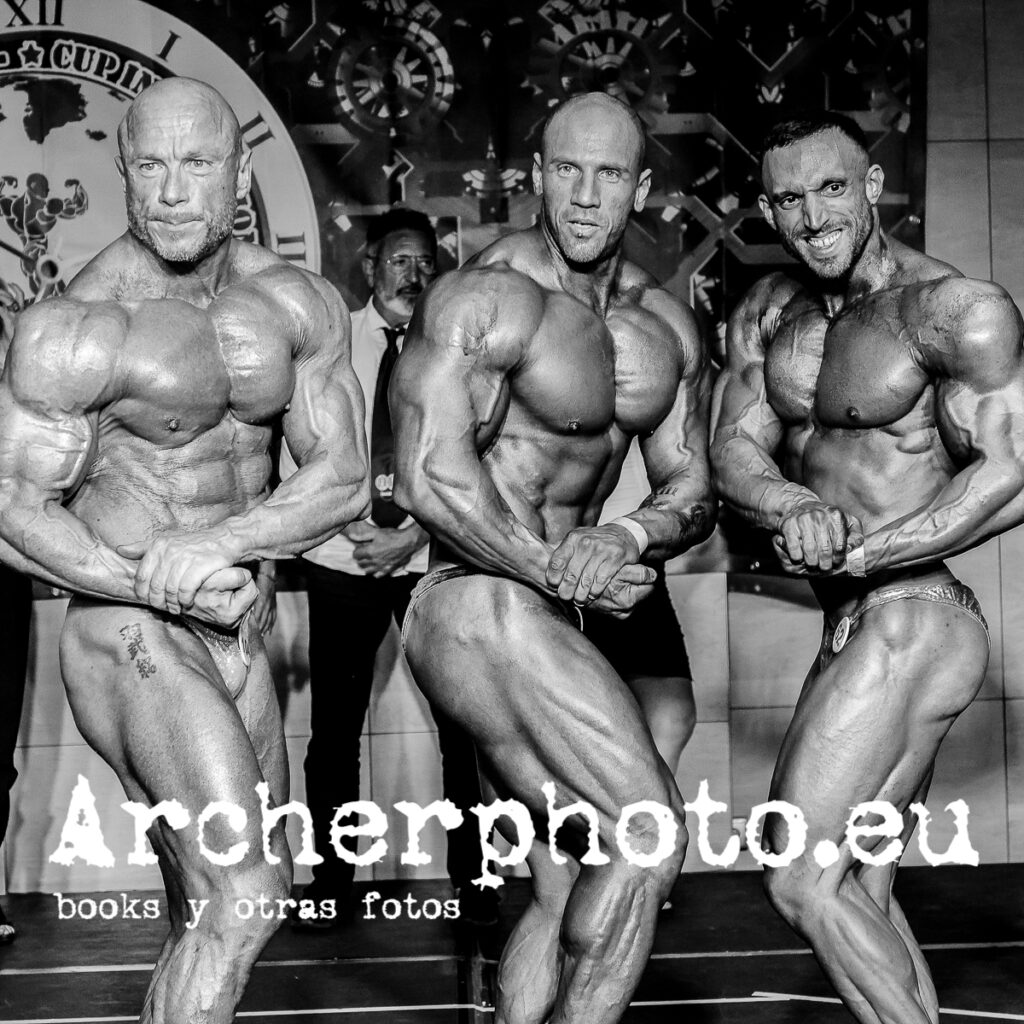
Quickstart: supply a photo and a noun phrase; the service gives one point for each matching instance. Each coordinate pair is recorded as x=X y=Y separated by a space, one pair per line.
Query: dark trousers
x=349 y=616
x=15 y=616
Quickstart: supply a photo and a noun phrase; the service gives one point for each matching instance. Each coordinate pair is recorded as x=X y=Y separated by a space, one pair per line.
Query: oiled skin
x=515 y=403
x=883 y=409
x=136 y=414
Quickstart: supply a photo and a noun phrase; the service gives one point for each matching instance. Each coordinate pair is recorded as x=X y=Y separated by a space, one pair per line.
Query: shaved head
x=176 y=95
x=183 y=168
x=603 y=105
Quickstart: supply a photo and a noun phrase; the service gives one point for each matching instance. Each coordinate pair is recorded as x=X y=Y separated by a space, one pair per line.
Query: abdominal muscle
x=551 y=485
x=135 y=489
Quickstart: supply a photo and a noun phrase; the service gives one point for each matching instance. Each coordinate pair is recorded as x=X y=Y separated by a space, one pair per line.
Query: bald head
x=590 y=176
x=587 y=107
x=181 y=99
x=183 y=169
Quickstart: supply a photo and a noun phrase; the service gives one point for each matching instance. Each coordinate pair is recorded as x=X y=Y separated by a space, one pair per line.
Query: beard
x=218 y=229
x=832 y=268
x=599 y=245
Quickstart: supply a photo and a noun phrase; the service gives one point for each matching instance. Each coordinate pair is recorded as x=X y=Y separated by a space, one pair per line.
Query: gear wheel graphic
x=397 y=80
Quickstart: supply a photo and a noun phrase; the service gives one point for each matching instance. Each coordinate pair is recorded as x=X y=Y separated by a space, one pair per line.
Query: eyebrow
x=621 y=168
x=779 y=196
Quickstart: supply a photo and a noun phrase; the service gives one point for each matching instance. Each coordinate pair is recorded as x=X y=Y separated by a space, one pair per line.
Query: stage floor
x=721 y=957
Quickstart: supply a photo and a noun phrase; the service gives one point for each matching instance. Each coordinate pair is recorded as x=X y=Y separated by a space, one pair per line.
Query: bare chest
x=585 y=374
x=186 y=369
x=858 y=372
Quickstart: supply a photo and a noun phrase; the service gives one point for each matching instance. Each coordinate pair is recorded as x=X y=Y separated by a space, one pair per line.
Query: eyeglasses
x=404 y=261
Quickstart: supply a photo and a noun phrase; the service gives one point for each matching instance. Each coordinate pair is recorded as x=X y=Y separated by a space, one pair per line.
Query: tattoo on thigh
x=137 y=649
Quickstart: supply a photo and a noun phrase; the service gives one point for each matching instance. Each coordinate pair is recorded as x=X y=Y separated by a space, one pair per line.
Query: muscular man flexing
x=135 y=420
x=522 y=381
x=870 y=417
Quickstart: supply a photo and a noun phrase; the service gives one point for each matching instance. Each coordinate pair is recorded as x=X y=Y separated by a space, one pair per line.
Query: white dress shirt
x=368 y=347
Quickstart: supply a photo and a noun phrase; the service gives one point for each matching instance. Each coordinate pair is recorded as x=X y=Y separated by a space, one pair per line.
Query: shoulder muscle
x=64 y=355
x=488 y=314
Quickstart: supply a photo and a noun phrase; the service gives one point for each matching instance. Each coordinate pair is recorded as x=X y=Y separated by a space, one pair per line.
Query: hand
x=586 y=561
x=387 y=550
x=814 y=538
x=264 y=611
x=627 y=588
x=173 y=566
x=359 y=531
x=224 y=598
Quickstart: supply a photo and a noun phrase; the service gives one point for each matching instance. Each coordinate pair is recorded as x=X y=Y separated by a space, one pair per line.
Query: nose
x=585 y=193
x=815 y=212
x=172 y=188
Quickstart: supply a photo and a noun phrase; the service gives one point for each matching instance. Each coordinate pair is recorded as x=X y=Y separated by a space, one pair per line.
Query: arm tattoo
x=654 y=499
x=694 y=521
x=691 y=524
x=137 y=649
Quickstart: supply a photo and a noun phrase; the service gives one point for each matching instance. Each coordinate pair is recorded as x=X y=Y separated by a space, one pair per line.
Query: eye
x=198 y=161
x=787 y=202
x=565 y=170
x=610 y=174
x=146 y=165
x=834 y=188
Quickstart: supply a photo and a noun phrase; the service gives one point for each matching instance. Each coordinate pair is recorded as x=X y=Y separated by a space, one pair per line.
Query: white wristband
x=640 y=535
x=855 y=561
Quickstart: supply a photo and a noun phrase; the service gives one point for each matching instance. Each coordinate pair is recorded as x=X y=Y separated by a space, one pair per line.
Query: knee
x=671 y=730
x=647 y=837
x=247 y=905
x=794 y=893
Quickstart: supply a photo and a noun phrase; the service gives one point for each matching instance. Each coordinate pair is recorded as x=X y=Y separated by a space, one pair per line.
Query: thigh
x=868 y=726
x=260 y=712
x=147 y=696
x=538 y=699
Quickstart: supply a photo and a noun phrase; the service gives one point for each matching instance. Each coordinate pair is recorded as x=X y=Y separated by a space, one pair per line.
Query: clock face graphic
x=68 y=70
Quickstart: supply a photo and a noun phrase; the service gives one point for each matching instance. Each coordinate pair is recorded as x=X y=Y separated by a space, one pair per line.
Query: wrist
x=792 y=499
x=855 y=564
x=231 y=546
x=635 y=530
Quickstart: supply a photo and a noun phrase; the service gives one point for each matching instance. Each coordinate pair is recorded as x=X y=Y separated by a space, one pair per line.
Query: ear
x=369 y=271
x=538 y=176
x=766 y=210
x=642 y=188
x=873 y=182
x=244 y=173
x=121 y=173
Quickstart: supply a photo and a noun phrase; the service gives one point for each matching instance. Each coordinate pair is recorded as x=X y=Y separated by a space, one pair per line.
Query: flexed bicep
x=449 y=394
x=60 y=370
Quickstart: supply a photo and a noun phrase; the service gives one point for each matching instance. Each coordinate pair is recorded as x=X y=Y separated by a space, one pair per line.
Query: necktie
x=382 y=441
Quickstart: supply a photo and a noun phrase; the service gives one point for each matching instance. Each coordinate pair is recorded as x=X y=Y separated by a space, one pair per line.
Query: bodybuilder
x=135 y=420
x=523 y=379
x=870 y=417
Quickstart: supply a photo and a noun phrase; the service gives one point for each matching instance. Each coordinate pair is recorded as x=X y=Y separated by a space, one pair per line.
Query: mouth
x=176 y=223
x=821 y=243
x=583 y=228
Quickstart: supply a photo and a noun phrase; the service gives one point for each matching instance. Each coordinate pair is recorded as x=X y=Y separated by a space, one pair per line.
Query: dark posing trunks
x=648 y=643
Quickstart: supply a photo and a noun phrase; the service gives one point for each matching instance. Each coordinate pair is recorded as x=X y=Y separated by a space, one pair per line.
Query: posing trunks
x=648 y=643
x=839 y=630
x=230 y=649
